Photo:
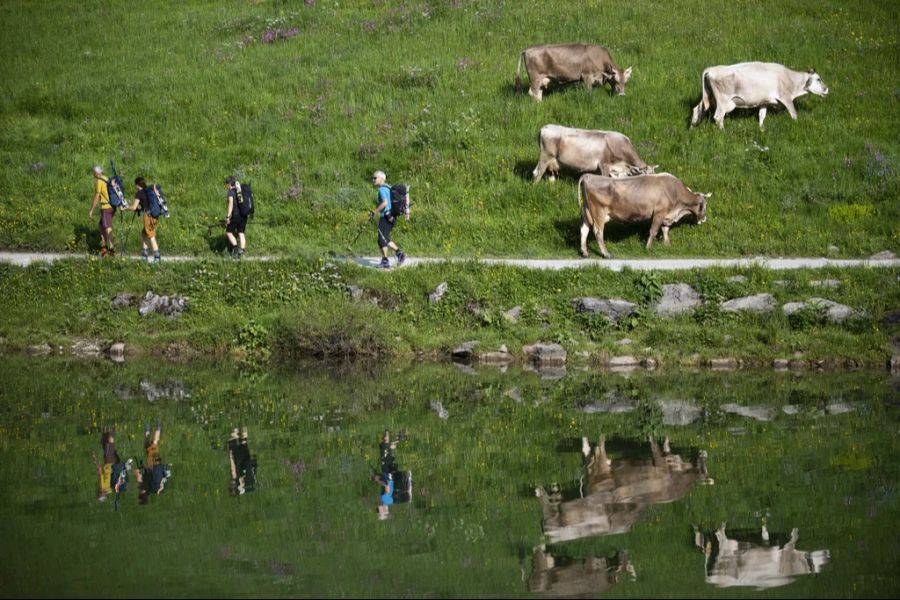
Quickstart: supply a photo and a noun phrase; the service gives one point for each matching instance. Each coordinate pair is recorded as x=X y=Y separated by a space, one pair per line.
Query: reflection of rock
x=759 y=412
x=569 y=578
x=610 y=403
x=117 y=352
x=744 y=563
x=679 y=412
x=86 y=348
x=154 y=391
x=546 y=355
x=39 y=349
x=547 y=371
x=465 y=350
x=438 y=407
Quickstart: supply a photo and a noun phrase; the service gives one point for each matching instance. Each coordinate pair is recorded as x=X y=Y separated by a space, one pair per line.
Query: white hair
x=98 y=169
x=379 y=174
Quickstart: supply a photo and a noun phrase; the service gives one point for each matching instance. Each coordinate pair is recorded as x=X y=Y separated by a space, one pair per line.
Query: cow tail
x=704 y=83
x=584 y=212
x=518 y=76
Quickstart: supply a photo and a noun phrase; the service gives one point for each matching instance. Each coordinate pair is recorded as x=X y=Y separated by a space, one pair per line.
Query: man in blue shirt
x=385 y=221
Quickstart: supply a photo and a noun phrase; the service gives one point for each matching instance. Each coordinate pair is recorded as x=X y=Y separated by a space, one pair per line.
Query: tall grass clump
x=350 y=333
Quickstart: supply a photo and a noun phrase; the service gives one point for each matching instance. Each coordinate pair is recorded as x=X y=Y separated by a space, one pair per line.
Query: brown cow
x=614 y=492
x=587 y=151
x=573 y=578
x=565 y=63
x=763 y=566
x=662 y=199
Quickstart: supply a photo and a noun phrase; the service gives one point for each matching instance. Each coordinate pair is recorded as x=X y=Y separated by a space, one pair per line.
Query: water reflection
x=740 y=562
x=565 y=577
x=611 y=493
x=242 y=463
x=112 y=473
x=395 y=485
x=153 y=473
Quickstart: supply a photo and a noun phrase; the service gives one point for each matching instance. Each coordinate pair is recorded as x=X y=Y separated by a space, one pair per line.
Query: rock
x=611 y=403
x=827 y=283
x=895 y=363
x=502 y=348
x=622 y=361
x=39 y=349
x=797 y=363
x=513 y=314
x=355 y=292
x=836 y=313
x=465 y=350
x=780 y=363
x=170 y=306
x=611 y=308
x=122 y=299
x=649 y=363
x=437 y=407
x=117 y=352
x=723 y=363
x=543 y=354
x=790 y=409
x=760 y=413
x=170 y=389
x=624 y=342
x=891 y=317
x=438 y=292
x=515 y=393
x=839 y=408
x=883 y=255
x=677 y=299
x=832 y=249
x=782 y=282
x=86 y=348
x=727 y=338
x=738 y=279
x=758 y=303
x=792 y=307
x=679 y=412
x=496 y=358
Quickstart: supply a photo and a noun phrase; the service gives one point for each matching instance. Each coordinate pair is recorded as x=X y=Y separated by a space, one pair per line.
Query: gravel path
x=642 y=264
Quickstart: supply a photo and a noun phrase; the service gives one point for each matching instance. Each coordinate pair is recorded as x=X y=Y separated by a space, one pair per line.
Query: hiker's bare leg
x=243 y=241
x=231 y=240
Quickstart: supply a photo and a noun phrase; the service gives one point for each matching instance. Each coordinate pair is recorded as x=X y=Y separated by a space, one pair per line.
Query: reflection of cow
x=763 y=566
x=614 y=492
x=575 y=577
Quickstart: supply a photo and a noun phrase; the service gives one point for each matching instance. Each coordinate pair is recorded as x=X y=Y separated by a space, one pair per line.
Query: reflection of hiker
x=112 y=473
x=153 y=474
x=395 y=485
x=385 y=221
x=243 y=466
x=235 y=223
x=148 y=233
x=107 y=211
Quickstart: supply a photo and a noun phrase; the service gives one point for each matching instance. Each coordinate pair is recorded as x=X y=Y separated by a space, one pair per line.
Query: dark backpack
x=399 y=199
x=156 y=201
x=114 y=188
x=244 y=197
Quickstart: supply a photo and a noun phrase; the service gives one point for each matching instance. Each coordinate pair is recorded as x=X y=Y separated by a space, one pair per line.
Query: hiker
x=243 y=466
x=385 y=221
x=107 y=211
x=235 y=223
x=112 y=473
x=148 y=232
x=152 y=476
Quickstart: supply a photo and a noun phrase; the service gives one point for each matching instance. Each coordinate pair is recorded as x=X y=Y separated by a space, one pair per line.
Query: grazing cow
x=572 y=578
x=763 y=566
x=565 y=63
x=663 y=199
x=614 y=492
x=587 y=151
x=752 y=85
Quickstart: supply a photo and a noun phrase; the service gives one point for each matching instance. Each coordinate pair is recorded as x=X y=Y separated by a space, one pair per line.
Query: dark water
x=705 y=484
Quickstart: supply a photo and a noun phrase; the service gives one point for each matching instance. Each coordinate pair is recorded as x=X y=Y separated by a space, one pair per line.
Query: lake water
x=772 y=484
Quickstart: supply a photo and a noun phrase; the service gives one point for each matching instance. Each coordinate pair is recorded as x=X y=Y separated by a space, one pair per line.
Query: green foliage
x=345 y=333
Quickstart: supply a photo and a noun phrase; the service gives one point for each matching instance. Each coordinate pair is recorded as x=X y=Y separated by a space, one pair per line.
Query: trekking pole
x=358 y=233
x=127 y=231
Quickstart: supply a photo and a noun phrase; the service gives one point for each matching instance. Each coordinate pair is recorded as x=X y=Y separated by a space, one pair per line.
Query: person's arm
x=382 y=204
x=134 y=205
x=230 y=209
x=96 y=463
x=94 y=204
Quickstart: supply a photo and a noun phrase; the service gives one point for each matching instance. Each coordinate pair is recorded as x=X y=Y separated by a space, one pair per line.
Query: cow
x=752 y=85
x=662 y=199
x=570 y=578
x=565 y=63
x=587 y=151
x=763 y=566
x=613 y=493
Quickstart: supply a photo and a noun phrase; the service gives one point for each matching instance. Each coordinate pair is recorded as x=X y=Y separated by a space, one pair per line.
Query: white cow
x=752 y=85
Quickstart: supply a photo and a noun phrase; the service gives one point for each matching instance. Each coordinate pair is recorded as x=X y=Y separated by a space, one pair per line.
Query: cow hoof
x=583 y=254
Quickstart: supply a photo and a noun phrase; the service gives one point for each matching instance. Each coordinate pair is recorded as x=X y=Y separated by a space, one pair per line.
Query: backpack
x=156 y=202
x=114 y=188
x=244 y=195
x=399 y=199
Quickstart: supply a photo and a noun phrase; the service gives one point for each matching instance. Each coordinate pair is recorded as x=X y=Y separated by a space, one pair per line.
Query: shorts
x=385 y=226
x=237 y=225
x=150 y=225
x=106 y=218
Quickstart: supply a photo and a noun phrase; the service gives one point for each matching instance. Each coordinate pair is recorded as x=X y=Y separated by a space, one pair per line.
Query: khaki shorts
x=150 y=225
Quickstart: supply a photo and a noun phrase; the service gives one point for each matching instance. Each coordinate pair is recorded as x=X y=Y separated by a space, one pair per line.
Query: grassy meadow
x=306 y=99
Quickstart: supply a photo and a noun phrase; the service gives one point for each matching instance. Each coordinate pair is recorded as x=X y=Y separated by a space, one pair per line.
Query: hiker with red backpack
x=391 y=203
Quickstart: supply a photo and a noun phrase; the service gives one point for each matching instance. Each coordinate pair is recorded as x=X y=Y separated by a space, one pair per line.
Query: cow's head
x=701 y=207
x=814 y=84
x=619 y=78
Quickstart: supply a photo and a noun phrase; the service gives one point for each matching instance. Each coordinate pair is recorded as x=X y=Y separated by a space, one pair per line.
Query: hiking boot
x=103 y=251
x=111 y=252
x=385 y=263
x=156 y=258
x=401 y=257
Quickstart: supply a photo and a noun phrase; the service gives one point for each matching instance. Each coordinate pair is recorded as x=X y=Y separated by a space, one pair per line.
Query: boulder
x=122 y=299
x=758 y=303
x=39 y=349
x=117 y=352
x=611 y=308
x=723 y=363
x=891 y=317
x=86 y=348
x=883 y=255
x=438 y=408
x=835 y=312
x=543 y=354
x=170 y=306
x=677 y=299
x=618 y=362
x=738 y=279
x=438 y=292
x=496 y=358
x=760 y=413
x=465 y=350
x=780 y=363
x=513 y=314
x=679 y=412
x=624 y=342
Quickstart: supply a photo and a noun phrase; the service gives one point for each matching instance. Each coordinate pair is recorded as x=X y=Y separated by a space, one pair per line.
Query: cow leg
x=534 y=90
x=654 y=230
x=600 y=453
x=598 y=233
x=588 y=82
x=539 y=170
x=762 y=116
x=789 y=105
x=665 y=232
x=697 y=113
x=723 y=107
x=585 y=230
x=585 y=446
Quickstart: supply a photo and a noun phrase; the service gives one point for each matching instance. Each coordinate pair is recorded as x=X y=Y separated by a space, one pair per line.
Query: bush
x=352 y=332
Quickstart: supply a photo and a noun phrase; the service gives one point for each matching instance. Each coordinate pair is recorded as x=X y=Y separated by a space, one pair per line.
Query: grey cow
x=565 y=63
x=587 y=151
x=754 y=85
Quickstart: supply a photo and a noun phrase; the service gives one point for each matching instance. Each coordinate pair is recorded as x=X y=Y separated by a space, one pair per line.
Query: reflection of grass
x=311 y=530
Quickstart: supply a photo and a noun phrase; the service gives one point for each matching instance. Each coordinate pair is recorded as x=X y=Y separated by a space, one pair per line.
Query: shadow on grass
x=570 y=231
x=87 y=236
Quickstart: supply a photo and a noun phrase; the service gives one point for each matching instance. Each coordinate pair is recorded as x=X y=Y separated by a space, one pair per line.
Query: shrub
x=351 y=332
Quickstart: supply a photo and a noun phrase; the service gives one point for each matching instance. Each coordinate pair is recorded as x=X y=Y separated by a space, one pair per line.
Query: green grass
x=187 y=94
x=278 y=310
x=473 y=521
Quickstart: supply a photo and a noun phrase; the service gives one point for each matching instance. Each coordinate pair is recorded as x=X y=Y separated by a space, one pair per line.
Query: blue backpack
x=114 y=188
x=156 y=201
